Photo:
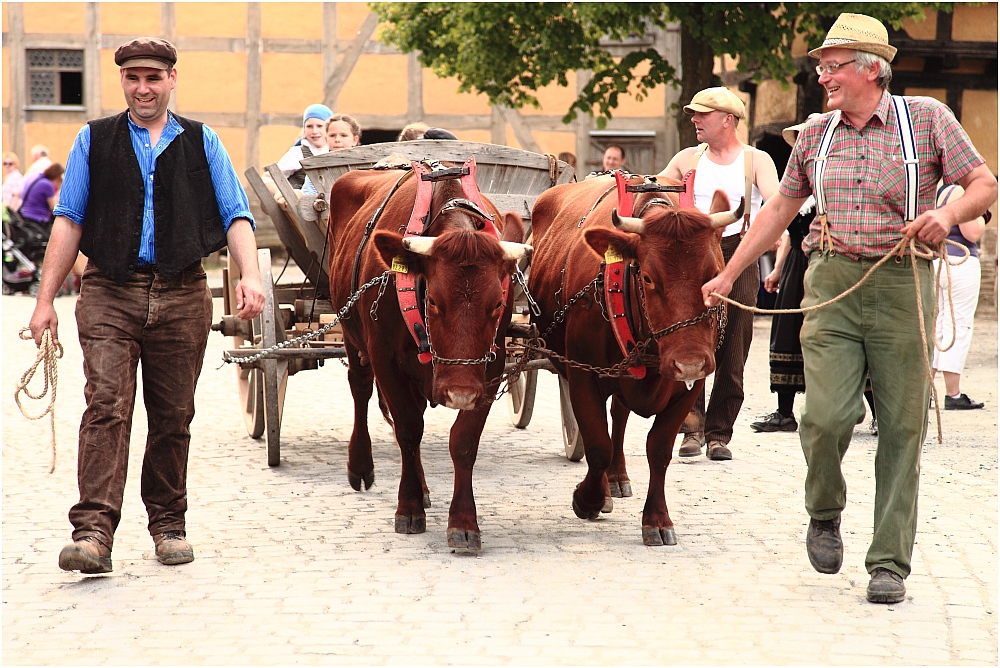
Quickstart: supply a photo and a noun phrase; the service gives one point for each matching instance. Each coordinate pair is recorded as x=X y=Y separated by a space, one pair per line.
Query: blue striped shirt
x=229 y=193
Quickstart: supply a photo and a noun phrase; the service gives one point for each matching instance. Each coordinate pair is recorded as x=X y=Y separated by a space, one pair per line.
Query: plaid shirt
x=864 y=179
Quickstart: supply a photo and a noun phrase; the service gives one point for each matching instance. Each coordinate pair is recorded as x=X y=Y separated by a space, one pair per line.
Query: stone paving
x=294 y=567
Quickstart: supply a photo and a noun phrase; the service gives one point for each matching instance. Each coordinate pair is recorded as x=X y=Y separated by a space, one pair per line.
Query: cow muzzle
x=461 y=398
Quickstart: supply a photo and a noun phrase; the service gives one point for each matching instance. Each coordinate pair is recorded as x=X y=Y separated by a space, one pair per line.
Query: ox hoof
x=409 y=524
x=356 y=480
x=609 y=505
x=656 y=536
x=621 y=489
x=460 y=539
x=427 y=500
x=584 y=515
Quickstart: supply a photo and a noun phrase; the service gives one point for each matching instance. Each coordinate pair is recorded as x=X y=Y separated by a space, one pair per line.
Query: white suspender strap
x=697 y=155
x=904 y=125
x=820 y=164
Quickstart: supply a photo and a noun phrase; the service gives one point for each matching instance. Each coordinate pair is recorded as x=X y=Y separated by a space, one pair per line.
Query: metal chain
x=559 y=316
x=342 y=314
x=373 y=312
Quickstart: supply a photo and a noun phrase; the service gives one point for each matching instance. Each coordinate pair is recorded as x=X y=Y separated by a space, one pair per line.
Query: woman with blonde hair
x=12 y=177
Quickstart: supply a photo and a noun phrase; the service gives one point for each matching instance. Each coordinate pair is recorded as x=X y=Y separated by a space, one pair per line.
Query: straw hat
x=860 y=33
x=791 y=133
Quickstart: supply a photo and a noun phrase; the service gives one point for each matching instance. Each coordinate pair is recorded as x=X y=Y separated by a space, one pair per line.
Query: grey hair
x=864 y=60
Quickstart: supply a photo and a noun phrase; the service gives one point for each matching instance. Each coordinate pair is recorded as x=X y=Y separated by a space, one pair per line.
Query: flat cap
x=146 y=52
x=718 y=98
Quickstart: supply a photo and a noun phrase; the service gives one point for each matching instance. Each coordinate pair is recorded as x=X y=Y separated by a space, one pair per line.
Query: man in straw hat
x=147 y=195
x=723 y=162
x=863 y=195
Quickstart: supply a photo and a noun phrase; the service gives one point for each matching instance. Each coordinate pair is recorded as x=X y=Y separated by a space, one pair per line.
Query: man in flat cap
x=147 y=194
x=857 y=161
x=723 y=162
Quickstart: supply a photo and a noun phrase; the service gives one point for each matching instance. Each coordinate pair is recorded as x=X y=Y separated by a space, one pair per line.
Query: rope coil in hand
x=48 y=353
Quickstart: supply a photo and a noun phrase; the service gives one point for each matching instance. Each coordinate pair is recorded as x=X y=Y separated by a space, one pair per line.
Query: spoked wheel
x=521 y=397
x=249 y=380
x=570 y=429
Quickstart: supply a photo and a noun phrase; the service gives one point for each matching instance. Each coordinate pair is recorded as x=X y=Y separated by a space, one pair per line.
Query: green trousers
x=875 y=327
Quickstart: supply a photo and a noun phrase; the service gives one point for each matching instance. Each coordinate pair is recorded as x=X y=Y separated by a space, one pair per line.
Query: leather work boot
x=718 y=451
x=824 y=546
x=885 y=587
x=691 y=445
x=87 y=555
x=172 y=548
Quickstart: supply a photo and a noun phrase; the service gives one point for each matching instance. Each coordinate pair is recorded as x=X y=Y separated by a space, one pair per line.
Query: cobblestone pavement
x=294 y=567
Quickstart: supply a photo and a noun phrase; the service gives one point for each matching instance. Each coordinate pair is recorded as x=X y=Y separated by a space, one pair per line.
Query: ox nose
x=462 y=399
x=689 y=371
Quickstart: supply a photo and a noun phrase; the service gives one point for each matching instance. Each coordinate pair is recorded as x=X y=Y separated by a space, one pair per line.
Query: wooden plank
x=520 y=127
x=336 y=82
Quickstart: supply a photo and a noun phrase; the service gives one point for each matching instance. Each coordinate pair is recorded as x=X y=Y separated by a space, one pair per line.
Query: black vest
x=187 y=223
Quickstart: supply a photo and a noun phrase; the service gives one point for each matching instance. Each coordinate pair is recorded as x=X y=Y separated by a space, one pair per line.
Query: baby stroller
x=24 y=243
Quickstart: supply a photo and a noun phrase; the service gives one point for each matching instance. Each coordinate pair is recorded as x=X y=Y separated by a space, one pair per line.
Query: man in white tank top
x=723 y=162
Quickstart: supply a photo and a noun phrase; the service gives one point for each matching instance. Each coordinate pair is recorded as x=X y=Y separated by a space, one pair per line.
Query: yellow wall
x=377 y=85
x=130 y=18
x=555 y=142
x=554 y=98
x=290 y=82
x=350 y=16
x=111 y=86
x=57 y=136
x=3 y=17
x=926 y=29
x=975 y=24
x=235 y=141
x=54 y=17
x=211 y=19
x=300 y=20
x=441 y=97
x=5 y=91
x=211 y=81
x=979 y=118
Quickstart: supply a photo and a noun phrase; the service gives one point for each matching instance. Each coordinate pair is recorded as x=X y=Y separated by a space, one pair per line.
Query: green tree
x=510 y=50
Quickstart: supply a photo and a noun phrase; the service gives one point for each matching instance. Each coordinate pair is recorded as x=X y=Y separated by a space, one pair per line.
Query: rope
x=897 y=252
x=48 y=353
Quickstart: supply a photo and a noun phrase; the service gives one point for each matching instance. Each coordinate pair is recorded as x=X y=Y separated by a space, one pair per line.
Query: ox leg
x=463 y=526
x=657 y=527
x=618 y=481
x=590 y=407
x=360 y=467
x=407 y=408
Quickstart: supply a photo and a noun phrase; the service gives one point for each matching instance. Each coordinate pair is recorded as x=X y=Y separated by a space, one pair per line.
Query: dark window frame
x=66 y=79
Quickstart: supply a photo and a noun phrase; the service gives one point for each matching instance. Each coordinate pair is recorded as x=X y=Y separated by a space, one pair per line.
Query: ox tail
x=383 y=407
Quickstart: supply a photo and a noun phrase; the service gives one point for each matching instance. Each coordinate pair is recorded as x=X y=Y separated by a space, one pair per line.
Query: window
x=55 y=77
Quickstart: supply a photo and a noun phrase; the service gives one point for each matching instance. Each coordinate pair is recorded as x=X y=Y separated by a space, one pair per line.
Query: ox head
x=677 y=252
x=462 y=271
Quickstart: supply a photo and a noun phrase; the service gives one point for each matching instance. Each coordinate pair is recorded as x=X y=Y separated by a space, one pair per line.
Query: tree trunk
x=697 y=62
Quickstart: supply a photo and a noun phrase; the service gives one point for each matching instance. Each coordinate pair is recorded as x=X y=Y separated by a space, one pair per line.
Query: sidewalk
x=294 y=567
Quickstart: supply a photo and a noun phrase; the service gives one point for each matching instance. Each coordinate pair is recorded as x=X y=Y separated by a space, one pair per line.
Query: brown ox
x=677 y=251
x=462 y=270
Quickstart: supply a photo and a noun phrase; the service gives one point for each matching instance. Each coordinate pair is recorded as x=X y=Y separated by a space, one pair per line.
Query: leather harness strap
x=615 y=277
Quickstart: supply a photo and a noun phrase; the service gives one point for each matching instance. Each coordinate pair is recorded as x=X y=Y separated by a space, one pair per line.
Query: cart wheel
x=570 y=429
x=521 y=397
x=250 y=381
x=275 y=373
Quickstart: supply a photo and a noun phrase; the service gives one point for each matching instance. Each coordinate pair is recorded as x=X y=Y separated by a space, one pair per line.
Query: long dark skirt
x=786 y=350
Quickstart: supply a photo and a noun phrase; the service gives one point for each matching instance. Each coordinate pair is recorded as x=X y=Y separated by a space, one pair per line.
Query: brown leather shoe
x=718 y=451
x=172 y=548
x=691 y=445
x=87 y=555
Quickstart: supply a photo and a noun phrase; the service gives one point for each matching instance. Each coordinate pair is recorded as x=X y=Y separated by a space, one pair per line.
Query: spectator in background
x=40 y=196
x=12 y=177
x=312 y=142
x=39 y=160
x=614 y=158
x=413 y=131
x=342 y=131
x=568 y=158
x=965 y=279
x=438 y=133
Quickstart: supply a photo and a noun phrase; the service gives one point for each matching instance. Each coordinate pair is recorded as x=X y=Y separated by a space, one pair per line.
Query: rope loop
x=48 y=353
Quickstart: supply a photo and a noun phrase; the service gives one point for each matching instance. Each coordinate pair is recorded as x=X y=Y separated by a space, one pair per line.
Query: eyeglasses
x=832 y=67
x=8 y=164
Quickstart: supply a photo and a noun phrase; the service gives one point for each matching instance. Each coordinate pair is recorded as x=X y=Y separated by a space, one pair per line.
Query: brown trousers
x=165 y=325
x=730 y=358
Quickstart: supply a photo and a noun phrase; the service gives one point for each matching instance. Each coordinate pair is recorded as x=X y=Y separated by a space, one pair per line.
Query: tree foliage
x=509 y=51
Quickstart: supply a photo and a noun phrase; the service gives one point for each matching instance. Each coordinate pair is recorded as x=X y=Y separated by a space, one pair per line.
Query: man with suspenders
x=873 y=165
x=722 y=162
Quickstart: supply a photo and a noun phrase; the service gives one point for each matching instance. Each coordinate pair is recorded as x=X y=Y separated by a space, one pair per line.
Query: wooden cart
x=511 y=178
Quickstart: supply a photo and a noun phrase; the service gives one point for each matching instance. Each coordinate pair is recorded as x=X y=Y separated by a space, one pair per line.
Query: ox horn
x=515 y=251
x=627 y=224
x=724 y=218
x=419 y=245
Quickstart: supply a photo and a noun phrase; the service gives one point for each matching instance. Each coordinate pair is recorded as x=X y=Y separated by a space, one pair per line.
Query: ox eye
x=646 y=279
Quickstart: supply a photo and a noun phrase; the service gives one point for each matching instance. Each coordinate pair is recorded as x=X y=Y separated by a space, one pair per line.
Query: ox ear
x=392 y=253
x=601 y=239
x=513 y=228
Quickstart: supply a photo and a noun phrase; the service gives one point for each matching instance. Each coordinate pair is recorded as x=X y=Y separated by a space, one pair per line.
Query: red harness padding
x=686 y=198
x=406 y=283
x=614 y=282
